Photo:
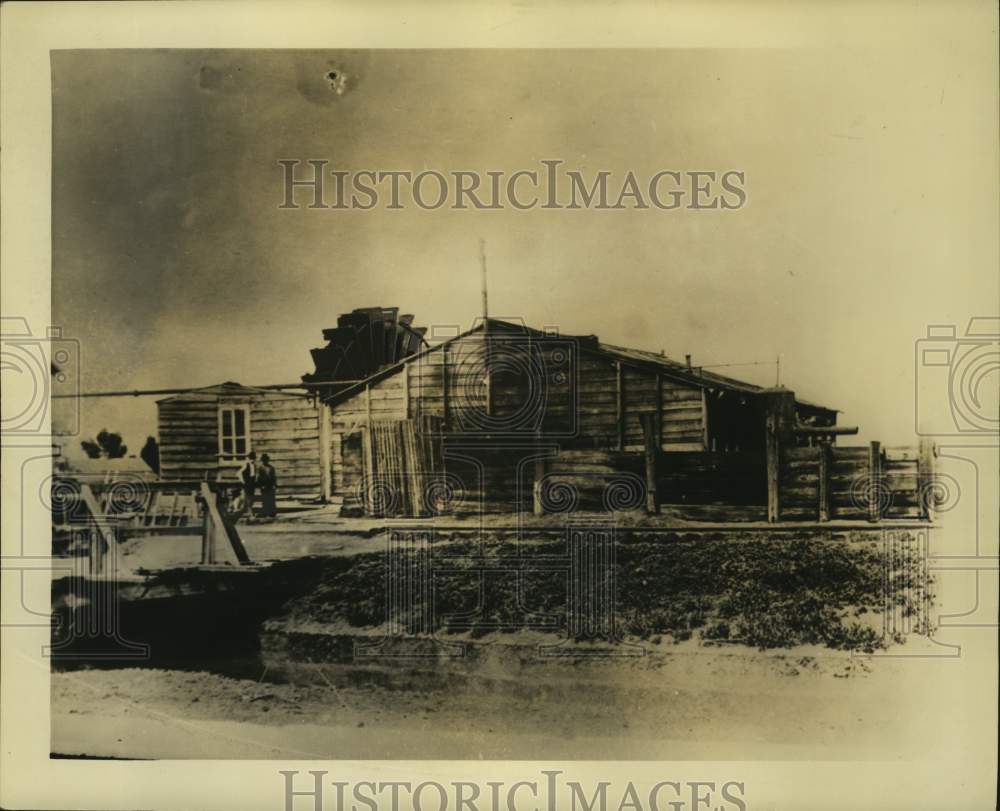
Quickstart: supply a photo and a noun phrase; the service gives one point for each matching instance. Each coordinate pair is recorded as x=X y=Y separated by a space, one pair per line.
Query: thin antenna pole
x=777 y=372
x=482 y=264
x=486 y=329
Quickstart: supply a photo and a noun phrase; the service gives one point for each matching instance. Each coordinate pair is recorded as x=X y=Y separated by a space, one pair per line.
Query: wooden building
x=205 y=434
x=497 y=418
x=477 y=412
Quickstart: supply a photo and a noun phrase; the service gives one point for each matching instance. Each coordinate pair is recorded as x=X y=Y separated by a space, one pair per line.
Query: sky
x=871 y=209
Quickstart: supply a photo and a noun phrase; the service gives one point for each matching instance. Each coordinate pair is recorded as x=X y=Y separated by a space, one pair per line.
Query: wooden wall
x=848 y=472
x=578 y=398
x=284 y=426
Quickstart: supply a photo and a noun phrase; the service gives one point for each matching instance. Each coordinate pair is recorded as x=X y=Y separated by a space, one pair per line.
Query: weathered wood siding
x=577 y=397
x=896 y=490
x=284 y=426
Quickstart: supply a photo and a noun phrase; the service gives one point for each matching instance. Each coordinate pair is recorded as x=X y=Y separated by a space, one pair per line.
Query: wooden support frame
x=101 y=532
x=925 y=476
x=875 y=481
x=216 y=526
x=650 y=432
x=620 y=404
x=773 y=452
x=825 y=455
x=325 y=450
x=444 y=388
x=406 y=391
x=538 y=508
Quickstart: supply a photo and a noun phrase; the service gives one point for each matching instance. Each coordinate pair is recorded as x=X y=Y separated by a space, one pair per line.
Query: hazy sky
x=871 y=212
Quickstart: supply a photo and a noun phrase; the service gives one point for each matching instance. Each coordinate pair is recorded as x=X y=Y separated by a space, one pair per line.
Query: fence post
x=875 y=477
x=779 y=425
x=925 y=475
x=536 y=487
x=650 y=432
x=824 y=481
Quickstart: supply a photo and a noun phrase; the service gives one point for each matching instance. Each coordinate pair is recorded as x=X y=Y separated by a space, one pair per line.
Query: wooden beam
x=659 y=410
x=325 y=451
x=620 y=404
x=704 y=418
x=536 y=486
x=101 y=533
x=824 y=481
x=773 y=452
x=650 y=433
x=444 y=387
x=221 y=525
x=925 y=475
x=406 y=391
x=875 y=477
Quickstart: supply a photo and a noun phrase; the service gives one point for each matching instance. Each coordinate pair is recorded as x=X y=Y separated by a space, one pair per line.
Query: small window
x=234 y=432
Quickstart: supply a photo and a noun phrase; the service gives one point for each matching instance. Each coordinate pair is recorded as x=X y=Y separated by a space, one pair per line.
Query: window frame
x=233 y=458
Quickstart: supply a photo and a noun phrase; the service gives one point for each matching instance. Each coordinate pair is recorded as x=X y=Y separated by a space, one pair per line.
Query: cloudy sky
x=871 y=212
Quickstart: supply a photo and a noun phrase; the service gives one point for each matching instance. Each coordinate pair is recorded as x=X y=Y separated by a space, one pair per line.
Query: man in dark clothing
x=267 y=479
x=248 y=475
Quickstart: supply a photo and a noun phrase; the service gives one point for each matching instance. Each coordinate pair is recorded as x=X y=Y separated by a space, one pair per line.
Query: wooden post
x=325 y=450
x=101 y=533
x=219 y=524
x=779 y=425
x=444 y=387
x=207 y=533
x=406 y=391
x=875 y=477
x=620 y=404
x=925 y=475
x=650 y=431
x=773 y=451
x=824 y=481
x=659 y=411
x=536 y=488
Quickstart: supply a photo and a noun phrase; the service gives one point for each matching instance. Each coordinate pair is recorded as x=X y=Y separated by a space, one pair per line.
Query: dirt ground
x=704 y=703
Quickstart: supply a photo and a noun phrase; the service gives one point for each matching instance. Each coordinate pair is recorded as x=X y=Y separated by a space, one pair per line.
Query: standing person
x=268 y=481
x=248 y=475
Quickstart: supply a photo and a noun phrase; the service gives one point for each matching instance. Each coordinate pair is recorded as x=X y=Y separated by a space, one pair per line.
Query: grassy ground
x=756 y=590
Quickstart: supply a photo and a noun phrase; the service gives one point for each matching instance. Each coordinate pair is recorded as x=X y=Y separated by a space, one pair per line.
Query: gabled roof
x=637 y=358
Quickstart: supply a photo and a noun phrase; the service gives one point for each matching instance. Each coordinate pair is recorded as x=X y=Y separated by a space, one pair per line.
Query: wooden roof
x=636 y=358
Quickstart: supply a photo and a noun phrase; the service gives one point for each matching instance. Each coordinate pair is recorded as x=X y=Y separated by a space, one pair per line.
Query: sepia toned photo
x=453 y=405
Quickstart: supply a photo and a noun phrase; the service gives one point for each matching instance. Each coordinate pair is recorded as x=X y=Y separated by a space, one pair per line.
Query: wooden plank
x=325 y=451
x=704 y=417
x=221 y=526
x=620 y=404
x=651 y=433
x=875 y=474
x=102 y=533
x=773 y=450
x=925 y=475
x=824 y=482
